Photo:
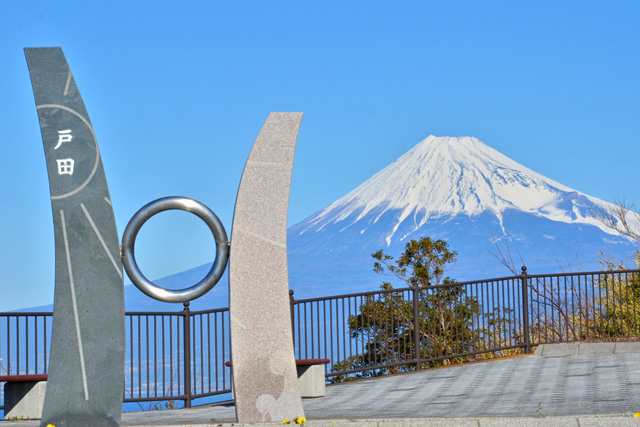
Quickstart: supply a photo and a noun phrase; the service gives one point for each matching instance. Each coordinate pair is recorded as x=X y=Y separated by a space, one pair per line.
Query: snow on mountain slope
x=453 y=176
x=459 y=190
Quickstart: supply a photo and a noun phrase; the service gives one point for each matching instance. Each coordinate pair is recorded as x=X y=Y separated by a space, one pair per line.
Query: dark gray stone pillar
x=86 y=366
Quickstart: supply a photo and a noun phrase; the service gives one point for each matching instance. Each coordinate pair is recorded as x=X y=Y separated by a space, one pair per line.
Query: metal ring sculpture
x=129 y=240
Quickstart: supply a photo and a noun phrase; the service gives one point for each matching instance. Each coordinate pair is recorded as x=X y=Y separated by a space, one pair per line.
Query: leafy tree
x=600 y=307
x=617 y=302
x=422 y=263
x=442 y=324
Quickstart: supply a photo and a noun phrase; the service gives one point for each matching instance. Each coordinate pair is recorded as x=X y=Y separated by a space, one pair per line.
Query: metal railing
x=160 y=348
x=395 y=330
x=181 y=356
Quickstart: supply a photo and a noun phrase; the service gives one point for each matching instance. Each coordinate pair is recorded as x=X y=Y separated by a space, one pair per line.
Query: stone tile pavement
x=562 y=385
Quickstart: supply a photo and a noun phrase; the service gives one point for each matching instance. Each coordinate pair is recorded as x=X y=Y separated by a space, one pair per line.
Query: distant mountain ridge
x=459 y=190
x=454 y=176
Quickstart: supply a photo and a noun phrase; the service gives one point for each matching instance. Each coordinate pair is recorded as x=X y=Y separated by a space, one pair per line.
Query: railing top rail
x=471 y=282
x=421 y=288
x=128 y=313
x=585 y=273
x=152 y=313
x=215 y=310
x=376 y=292
x=174 y=313
x=25 y=313
x=467 y=283
x=192 y=312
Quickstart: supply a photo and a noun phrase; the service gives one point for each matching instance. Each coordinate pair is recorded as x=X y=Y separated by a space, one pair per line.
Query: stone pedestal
x=23 y=400
x=311 y=380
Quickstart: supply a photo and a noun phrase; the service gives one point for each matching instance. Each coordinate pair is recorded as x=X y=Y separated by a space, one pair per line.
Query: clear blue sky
x=178 y=91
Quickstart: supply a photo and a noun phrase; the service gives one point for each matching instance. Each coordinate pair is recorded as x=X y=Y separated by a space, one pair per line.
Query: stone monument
x=86 y=364
x=264 y=372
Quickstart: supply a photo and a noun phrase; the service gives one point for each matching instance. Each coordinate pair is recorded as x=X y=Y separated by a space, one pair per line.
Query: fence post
x=293 y=327
x=525 y=309
x=186 y=313
x=416 y=325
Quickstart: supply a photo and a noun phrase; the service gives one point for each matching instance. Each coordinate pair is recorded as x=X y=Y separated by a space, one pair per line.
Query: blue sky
x=178 y=91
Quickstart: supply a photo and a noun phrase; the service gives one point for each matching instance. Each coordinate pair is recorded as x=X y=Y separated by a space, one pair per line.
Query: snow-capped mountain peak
x=454 y=176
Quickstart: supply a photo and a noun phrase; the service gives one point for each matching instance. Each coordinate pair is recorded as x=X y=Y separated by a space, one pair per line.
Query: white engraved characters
x=63 y=136
x=65 y=166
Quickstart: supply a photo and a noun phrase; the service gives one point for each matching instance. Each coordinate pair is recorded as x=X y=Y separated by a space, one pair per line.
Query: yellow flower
x=50 y=425
x=300 y=420
x=636 y=415
x=285 y=421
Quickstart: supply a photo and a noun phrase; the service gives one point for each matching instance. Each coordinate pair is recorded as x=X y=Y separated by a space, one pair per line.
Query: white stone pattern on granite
x=264 y=371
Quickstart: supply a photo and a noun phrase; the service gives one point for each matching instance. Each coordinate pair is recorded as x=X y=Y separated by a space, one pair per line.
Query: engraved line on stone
x=278 y=164
x=102 y=242
x=97 y=161
x=75 y=306
x=66 y=87
x=108 y=201
x=273 y=242
x=235 y=319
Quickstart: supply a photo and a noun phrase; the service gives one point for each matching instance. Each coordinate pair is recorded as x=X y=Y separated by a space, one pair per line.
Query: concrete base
x=572 y=349
x=311 y=380
x=23 y=400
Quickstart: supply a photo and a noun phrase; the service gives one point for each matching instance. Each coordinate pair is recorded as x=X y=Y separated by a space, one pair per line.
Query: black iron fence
x=181 y=356
x=395 y=330
x=160 y=348
x=177 y=356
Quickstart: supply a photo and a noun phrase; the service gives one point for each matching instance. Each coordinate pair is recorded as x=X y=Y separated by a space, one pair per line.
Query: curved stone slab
x=264 y=372
x=86 y=364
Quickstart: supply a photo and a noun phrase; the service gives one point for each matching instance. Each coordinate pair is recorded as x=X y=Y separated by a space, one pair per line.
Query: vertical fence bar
x=525 y=309
x=26 y=330
x=155 y=355
x=292 y=303
x=201 y=357
x=324 y=322
x=18 y=345
x=46 y=359
x=186 y=339
x=224 y=371
x=416 y=325
x=634 y=283
x=36 y=343
x=139 y=357
x=164 y=375
x=209 y=353
x=147 y=338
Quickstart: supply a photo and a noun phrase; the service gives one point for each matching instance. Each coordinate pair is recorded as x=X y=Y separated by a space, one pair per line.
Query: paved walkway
x=562 y=385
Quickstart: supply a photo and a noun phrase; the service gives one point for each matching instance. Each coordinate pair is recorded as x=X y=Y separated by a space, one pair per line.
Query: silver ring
x=129 y=241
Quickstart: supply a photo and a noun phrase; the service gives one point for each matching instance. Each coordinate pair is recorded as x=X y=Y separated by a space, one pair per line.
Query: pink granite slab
x=264 y=371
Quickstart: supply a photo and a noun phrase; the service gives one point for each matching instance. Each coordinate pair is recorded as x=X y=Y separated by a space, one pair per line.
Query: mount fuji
x=456 y=189
x=464 y=192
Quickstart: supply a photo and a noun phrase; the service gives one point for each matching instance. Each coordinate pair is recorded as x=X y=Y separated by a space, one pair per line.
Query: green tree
x=422 y=263
x=442 y=324
x=617 y=301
